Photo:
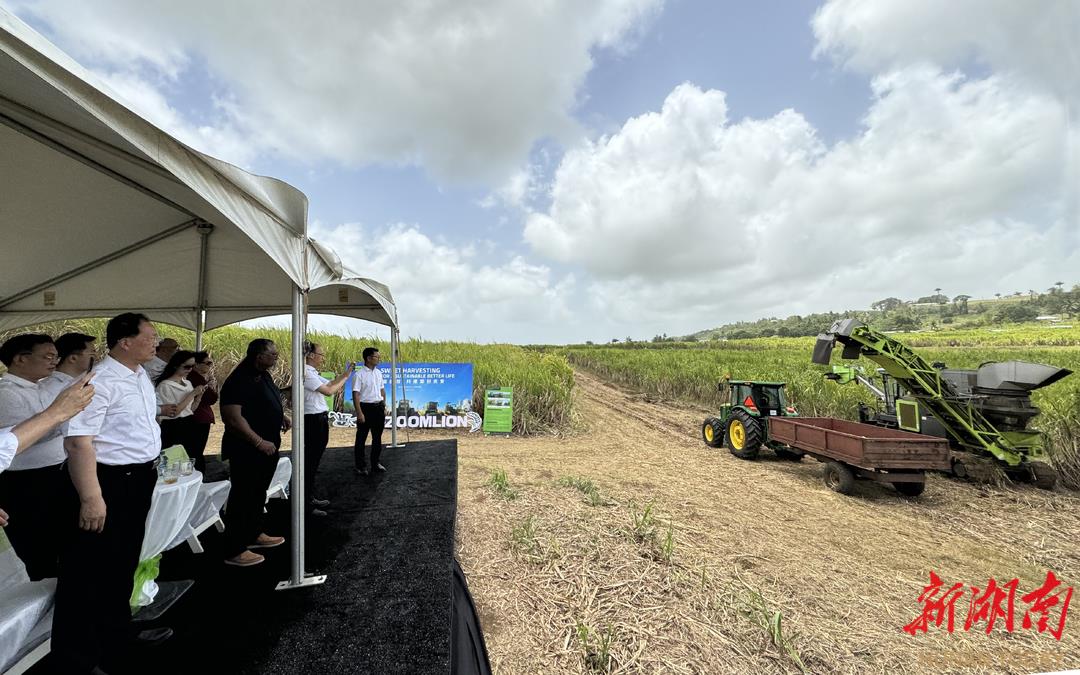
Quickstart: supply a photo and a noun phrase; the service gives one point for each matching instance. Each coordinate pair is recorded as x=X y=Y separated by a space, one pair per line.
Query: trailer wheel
x=839 y=478
x=910 y=489
x=712 y=432
x=743 y=434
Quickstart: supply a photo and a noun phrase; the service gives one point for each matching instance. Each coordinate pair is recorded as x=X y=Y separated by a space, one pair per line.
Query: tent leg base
x=396 y=445
x=308 y=580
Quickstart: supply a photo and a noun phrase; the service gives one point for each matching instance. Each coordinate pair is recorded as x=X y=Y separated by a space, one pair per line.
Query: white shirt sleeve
x=312 y=381
x=9 y=445
x=89 y=421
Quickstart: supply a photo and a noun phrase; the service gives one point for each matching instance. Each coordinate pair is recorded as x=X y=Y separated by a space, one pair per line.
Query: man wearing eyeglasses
x=31 y=488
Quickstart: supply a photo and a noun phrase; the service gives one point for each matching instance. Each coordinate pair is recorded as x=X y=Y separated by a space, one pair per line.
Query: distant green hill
x=929 y=312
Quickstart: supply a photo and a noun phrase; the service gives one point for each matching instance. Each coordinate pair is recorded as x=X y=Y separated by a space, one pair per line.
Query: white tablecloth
x=170 y=509
x=208 y=504
x=25 y=608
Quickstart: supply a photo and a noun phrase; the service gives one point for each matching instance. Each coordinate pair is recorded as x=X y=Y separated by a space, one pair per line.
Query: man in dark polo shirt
x=254 y=419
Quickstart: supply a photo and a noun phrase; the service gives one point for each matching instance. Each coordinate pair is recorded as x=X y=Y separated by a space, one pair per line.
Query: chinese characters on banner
x=1046 y=606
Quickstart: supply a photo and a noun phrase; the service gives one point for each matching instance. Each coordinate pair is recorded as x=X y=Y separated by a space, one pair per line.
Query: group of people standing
x=369 y=400
x=186 y=391
x=83 y=449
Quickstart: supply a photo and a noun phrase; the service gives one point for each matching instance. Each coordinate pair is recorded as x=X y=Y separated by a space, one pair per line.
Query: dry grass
x=767 y=570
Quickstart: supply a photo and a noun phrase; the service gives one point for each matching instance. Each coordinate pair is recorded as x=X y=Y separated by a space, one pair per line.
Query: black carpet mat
x=387 y=546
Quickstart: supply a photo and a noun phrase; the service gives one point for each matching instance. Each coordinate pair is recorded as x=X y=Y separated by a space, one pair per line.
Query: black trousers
x=374 y=422
x=36 y=501
x=200 y=434
x=97 y=570
x=250 y=472
x=316 y=436
x=180 y=431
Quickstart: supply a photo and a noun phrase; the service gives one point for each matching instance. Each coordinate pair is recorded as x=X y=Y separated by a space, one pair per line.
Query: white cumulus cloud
x=463 y=88
x=687 y=216
x=442 y=288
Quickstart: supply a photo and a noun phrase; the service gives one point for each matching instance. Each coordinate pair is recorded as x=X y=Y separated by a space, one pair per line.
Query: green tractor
x=740 y=425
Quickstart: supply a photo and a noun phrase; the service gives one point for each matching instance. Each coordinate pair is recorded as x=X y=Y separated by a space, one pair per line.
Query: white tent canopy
x=109 y=213
x=102 y=212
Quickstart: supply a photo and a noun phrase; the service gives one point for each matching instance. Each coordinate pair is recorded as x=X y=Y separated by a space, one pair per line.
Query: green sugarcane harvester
x=984 y=412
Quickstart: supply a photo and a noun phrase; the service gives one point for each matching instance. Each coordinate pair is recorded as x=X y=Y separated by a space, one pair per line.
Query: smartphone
x=90 y=368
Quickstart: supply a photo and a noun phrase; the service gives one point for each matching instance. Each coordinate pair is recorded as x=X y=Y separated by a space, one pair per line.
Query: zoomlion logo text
x=472 y=420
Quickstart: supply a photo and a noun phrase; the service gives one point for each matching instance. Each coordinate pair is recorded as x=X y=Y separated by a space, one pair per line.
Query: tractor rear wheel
x=910 y=489
x=712 y=432
x=743 y=434
x=839 y=478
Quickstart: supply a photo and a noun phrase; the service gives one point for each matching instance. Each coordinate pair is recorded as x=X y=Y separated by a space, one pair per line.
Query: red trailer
x=853 y=450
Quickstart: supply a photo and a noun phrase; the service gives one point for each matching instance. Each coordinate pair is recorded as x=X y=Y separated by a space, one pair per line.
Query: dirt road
x=689 y=554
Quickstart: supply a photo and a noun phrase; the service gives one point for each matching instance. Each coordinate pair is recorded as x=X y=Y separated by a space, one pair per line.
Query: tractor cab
x=739 y=424
x=760 y=398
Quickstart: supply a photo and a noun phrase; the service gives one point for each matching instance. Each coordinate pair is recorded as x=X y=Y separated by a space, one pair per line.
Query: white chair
x=206 y=514
x=279 y=485
x=26 y=621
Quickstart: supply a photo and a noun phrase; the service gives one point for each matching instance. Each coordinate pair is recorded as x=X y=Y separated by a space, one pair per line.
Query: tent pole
x=204 y=230
x=200 y=327
x=393 y=388
x=296 y=495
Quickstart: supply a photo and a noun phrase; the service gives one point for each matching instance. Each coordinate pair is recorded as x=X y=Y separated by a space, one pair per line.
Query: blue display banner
x=429 y=395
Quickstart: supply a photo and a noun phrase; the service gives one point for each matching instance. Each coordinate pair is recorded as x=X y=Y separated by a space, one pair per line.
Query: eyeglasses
x=44 y=357
x=318 y=353
x=205 y=363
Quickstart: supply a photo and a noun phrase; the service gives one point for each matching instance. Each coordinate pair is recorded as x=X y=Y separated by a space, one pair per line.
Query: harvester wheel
x=1043 y=475
x=910 y=489
x=743 y=434
x=712 y=432
x=979 y=470
x=839 y=478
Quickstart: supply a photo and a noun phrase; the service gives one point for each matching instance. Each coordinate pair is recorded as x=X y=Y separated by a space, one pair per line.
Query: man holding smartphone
x=76 y=354
x=31 y=488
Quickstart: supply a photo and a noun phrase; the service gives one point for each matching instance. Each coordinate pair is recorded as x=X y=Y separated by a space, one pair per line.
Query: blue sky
x=562 y=172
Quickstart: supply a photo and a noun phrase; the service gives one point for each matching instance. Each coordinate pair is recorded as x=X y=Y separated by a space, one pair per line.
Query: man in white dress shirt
x=369 y=400
x=165 y=350
x=31 y=488
x=112 y=449
x=24 y=435
x=75 y=352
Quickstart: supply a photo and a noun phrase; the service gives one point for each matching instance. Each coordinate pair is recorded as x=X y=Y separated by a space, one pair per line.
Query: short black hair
x=309 y=347
x=21 y=344
x=69 y=343
x=368 y=351
x=258 y=346
x=201 y=356
x=123 y=326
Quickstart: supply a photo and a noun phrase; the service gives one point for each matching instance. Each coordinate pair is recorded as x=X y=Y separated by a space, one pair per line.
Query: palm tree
x=997 y=295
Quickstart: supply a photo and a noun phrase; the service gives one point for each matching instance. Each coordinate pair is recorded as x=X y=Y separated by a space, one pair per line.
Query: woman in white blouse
x=173 y=388
x=316 y=419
